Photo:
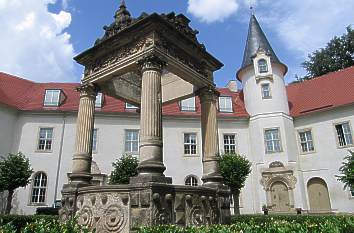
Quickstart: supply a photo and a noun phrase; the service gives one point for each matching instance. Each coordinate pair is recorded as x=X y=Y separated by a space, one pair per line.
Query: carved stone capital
x=87 y=90
x=208 y=94
x=152 y=62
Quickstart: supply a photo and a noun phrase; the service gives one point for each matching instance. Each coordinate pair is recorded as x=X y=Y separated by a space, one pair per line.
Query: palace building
x=295 y=135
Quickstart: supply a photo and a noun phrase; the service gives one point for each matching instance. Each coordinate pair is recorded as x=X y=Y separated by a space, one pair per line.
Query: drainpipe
x=59 y=159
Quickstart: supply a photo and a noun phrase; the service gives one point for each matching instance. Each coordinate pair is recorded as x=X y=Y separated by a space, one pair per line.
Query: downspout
x=59 y=159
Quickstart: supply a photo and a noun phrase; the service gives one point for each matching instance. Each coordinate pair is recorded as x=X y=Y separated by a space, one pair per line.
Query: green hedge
x=269 y=224
x=20 y=221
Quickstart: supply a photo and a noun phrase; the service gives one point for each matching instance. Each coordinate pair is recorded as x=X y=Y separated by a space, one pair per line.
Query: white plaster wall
x=328 y=156
x=8 y=120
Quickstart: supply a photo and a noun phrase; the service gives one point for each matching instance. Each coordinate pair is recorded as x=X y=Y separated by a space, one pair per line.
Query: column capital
x=208 y=94
x=87 y=90
x=151 y=62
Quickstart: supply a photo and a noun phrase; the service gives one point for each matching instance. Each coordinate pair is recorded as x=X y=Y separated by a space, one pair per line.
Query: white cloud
x=212 y=10
x=33 y=43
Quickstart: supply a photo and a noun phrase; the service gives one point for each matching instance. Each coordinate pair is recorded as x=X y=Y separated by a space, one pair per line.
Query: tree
x=15 y=172
x=347 y=171
x=124 y=168
x=235 y=169
x=338 y=54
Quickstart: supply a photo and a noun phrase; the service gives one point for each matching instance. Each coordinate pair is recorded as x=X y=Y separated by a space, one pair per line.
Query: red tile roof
x=325 y=92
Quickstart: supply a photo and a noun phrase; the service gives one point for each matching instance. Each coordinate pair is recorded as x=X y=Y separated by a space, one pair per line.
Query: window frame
x=231 y=102
x=129 y=106
x=191 y=182
x=44 y=203
x=37 y=150
x=51 y=104
x=94 y=151
x=265 y=64
x=269 y=91
x=196 y=145
x=99 y=97
x=265 y=141
x=188 y=109
x=131 y=141
x=235 y=141
x=337 y=136
x=300 y=142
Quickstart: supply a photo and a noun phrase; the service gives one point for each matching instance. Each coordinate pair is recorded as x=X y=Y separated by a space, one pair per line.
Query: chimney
x=232 y=85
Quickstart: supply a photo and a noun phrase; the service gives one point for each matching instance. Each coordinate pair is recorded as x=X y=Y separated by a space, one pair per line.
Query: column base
x=151 y=167
x=82 y=178
x=150 y=178
x=213 y=180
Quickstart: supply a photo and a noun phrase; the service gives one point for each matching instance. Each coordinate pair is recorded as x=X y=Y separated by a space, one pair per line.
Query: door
x=280 y=197
x=318 y=195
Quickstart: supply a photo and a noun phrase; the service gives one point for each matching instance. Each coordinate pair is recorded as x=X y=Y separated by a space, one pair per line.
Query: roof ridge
x=17 y=77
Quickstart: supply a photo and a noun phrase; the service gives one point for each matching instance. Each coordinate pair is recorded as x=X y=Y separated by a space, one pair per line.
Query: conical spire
x=122 y=16
x=256 y=40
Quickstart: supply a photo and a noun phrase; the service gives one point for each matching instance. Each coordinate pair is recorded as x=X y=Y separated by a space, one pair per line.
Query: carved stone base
x=125 y=208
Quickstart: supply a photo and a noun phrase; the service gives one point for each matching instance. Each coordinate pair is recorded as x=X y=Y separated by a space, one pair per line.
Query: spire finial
x=122 y=3
x=251 y=7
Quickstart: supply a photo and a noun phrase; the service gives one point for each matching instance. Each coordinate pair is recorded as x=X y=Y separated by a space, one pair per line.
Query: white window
x=45 y=140
x=225 y=104
x=132 y=141
x=266 y=94
x=191 y=181
x=306 y=141
x=130 y=106
x=272 y=140
x=188 y=104
x=99 y=100
x=344 y=134
x=94 y=140
x=229 y=143
x=190 y=143
x=262 y=66
x=52 y=97
x=39 y=188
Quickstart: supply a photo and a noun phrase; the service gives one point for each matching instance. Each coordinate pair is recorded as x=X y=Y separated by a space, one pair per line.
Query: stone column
x=151 y=165
x=210 y=149
x=81 y=168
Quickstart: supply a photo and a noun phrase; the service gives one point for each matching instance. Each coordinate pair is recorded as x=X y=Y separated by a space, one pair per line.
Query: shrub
x=20 y=221
x=47 y=211
x=53 y=226
x=124 y=168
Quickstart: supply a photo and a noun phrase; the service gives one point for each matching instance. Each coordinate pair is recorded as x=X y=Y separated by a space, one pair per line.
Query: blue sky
x=40 y=37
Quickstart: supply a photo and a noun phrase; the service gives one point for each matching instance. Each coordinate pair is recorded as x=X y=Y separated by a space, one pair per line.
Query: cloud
x=33 y=42
x=209 y=11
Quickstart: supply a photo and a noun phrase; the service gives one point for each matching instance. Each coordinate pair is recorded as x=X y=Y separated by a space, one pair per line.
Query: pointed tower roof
x=256 y=40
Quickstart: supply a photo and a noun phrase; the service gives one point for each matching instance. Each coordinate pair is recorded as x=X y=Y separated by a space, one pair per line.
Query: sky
x=39 y=38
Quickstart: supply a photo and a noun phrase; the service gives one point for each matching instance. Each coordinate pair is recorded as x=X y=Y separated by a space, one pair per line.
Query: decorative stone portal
x=279 y=183
x=147 y=61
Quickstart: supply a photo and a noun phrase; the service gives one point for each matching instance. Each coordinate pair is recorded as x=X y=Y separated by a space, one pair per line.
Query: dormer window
x=130 y=106
x=188 y=105
x=99 y=100
x=52 y=98
x=225 y=104
x=262 y=66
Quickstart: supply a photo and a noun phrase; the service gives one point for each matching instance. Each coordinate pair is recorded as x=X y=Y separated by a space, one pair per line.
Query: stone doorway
x=280 y=197
x=318 y=196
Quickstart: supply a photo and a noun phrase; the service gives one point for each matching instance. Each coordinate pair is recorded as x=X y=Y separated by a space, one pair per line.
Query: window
x=94 y=140
x=130 y=106
x=272 y=140
x=306 y=141
x=52 y=97
x=39 y=187
x=352 y=193
x=225 y=104
x=344 y=134
x=262 y=66
x=132 y=141
x=266 y=91
x=191 y=181
x=45 y=139
x=188 y=104
x=190 y=144
x=229 y=143
x=99 y=100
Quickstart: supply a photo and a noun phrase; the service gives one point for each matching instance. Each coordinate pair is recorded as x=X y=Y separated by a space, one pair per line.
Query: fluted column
x=210 y=148
x=151 y=158
x=81 y=168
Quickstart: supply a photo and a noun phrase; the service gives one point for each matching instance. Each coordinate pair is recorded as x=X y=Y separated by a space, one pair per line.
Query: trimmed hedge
x=20 y=221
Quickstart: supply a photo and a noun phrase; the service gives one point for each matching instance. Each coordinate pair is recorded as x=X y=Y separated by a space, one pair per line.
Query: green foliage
x=7 y=228
x=269 y=224
x=15 y=171
x=347 y=171
x=20 y=221
x=338 y=54
x=234 y=169
x=124 y=168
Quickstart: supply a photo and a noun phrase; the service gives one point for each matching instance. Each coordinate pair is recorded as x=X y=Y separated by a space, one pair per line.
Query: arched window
x=262 y=66
x=39 y=188
x=191 y=181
